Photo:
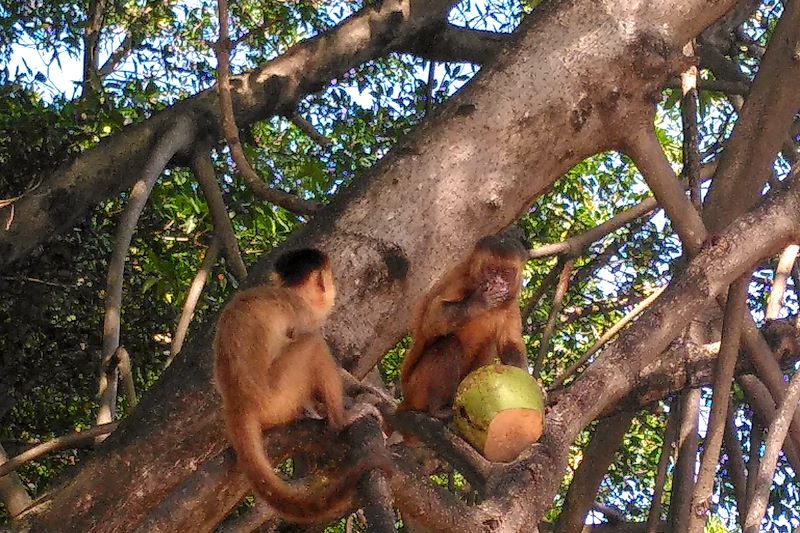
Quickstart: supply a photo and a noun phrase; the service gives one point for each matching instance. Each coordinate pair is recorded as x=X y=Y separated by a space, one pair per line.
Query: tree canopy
x=152 y=163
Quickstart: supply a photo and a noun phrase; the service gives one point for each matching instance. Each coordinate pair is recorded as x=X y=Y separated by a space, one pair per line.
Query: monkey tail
x=325 y=502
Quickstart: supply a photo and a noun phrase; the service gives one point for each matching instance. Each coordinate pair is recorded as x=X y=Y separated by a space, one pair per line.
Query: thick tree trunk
x=579 y=69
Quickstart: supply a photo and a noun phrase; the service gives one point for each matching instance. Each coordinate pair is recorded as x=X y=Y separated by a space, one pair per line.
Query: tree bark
x=578 y=70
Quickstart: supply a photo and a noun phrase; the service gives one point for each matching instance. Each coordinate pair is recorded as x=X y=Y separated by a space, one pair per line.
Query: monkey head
x=308 y=272
x=496 y=267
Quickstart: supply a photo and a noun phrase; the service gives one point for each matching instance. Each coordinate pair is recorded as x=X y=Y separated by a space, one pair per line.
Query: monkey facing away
x=466 y=320
x=270 y=362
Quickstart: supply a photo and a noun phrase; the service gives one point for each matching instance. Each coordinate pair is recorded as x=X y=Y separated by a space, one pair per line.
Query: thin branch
x=117 y=56
x=309 y=129
x=168 y=145
x=192 y=297
x=723 y=378
x=688 y=441
x=753 y=462
x=544 y=287
x=785 y=264
x=775 y=437
x=654 y=516
x=736 y=465
x=748 y=159
x=691 y=154
x=123 y=363
x=607 y=336
x=646 y=152
x=558 y=301
x=91 y=42
x=574 y=246
x=650 y=158
x=429 y=87
x=77 y=439
x=597 y=457
x=760 y=399
x=222 y=49
x=203 y=169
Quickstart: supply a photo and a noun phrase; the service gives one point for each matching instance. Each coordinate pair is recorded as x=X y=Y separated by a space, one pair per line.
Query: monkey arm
x=445 y=317
x=510 y=344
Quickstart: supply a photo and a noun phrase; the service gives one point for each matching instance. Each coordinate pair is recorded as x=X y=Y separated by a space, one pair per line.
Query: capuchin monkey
x=468 y=318
x=270 y=363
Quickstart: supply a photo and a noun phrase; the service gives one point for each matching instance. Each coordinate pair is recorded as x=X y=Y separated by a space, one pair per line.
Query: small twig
x=73 y=440
x=785 y=264
x=775 y=437
x=192 y=297
x=37 y=280
x=222 y=49
x=607 y=336
x=723 y=378
x=558 y=301
x=309 y=129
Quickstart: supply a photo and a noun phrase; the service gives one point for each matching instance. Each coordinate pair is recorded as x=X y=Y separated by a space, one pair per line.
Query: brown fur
x=468 y=318
x=271 y=361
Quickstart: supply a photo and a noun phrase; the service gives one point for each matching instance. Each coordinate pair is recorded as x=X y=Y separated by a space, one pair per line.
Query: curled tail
x=299 y=504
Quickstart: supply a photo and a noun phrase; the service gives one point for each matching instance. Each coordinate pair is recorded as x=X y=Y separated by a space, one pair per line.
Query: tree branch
x=607 y=336
x=654 y=515
x=723 y=379
x=13 y=493
x=454 y=44
x=558 y=301
x=222 y=49
x=192 y=297
x=309 y=129
x=597 y=457
x=73 y=440
x=746 y=163
x=161 y=154
x=203 y=169
x=776 y=434
x=785 y=264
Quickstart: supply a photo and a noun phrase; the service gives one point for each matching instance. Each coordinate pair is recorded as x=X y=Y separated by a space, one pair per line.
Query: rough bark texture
x=576 y=73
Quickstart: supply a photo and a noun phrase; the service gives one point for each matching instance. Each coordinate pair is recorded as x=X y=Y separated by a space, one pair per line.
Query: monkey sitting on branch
x=270 y=363
x=468 y=318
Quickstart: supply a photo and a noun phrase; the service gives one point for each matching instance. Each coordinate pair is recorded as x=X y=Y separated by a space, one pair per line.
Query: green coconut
x=499 y=410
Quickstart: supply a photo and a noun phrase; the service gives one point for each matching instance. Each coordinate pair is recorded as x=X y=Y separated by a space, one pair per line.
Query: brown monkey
x=270 y=362
x=466 y=320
